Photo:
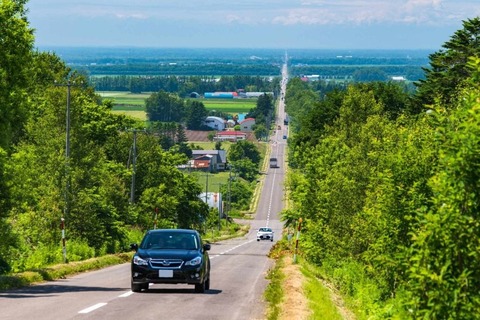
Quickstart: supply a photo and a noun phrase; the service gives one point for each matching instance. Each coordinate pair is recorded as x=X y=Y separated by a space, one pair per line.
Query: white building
x=214 y=200
x=230 y=136
x=215 y=123
x=247 y=124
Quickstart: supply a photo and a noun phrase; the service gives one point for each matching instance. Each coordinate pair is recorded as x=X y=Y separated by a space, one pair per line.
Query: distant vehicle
x=284 y=136
x=279 y=127
x=171 y=256
x=265 y=234
x=273 y=163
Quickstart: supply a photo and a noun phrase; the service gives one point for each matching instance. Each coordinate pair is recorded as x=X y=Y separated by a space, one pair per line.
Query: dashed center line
x=94 y=307
x=126 y=294
x=231 y=249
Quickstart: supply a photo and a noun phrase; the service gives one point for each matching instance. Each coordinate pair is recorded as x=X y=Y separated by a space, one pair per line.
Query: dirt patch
x=295 y=304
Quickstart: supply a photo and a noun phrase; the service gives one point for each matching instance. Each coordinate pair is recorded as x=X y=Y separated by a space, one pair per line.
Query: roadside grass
x=60 y=271
x=319 y=297
x=274 y=294
x=321 y=302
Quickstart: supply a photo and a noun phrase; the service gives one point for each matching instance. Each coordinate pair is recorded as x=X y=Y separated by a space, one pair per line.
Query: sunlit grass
x=140 y=115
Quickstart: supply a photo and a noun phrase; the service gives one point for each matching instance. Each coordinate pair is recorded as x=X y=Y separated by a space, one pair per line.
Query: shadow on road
x=46 y=290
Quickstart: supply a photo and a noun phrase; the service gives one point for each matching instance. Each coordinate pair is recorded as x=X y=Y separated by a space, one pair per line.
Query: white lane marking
x=231 y=249
x=126 y=294
x=94 y=307
x=271 y=197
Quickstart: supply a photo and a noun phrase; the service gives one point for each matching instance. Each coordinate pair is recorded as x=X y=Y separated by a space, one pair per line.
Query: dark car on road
x=171 y=256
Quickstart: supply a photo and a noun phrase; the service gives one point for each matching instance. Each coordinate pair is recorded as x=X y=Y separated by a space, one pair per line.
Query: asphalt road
x=239 y=267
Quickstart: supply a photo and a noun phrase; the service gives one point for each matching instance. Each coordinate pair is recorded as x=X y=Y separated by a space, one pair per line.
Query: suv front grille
x=166 y=263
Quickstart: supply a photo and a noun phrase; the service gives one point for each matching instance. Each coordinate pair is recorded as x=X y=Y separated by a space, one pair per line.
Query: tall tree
x=244 y=150
x=16 y=41
x=448 y=69
x=195 y=114
x=165 y=107
x=443 y=268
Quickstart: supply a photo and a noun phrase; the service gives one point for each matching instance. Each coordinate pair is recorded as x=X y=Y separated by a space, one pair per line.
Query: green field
x=133 y=104
x=123 y=98
x=211 y=145
x=229 y=105
x=140 y=115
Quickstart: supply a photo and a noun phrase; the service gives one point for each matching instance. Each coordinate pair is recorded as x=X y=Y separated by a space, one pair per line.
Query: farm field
x=230 y=105
x=133 y=104
x=211 y=145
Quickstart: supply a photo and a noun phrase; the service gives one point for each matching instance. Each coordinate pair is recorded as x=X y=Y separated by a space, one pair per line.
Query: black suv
x=171 y=256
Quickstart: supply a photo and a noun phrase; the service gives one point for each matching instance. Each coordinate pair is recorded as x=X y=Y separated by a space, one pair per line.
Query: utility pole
x=134 y=163
x=219 y=207
x=206 y=197
x=134 y=166
x=229 y=188
x=66 y=208
x=206 y=188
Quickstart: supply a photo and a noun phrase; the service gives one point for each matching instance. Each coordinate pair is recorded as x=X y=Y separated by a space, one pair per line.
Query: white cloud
x=429 y=12
x=139 y=16
x=285 y=12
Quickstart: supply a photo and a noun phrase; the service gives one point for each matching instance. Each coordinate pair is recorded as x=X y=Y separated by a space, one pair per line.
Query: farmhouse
x=230 y=136
x=203 y=162
x=209 y=160
x=247 y=124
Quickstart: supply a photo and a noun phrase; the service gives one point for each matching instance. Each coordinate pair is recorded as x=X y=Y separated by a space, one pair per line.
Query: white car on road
x=265 y=233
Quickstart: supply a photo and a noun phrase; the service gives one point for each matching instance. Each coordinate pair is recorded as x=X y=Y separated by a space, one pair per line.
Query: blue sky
x=284 y=24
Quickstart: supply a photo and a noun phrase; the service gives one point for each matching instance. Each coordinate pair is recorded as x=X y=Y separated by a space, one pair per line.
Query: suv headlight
x=194 y=262
x=139 y=261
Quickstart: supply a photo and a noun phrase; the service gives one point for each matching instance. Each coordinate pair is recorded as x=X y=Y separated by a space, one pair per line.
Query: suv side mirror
x=134 y=246
x=206 y=246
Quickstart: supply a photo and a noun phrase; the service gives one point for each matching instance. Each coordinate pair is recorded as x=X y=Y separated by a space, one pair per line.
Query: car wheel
x=137 y=287
x=258 y=239
x=207 y=283
x=200 y=287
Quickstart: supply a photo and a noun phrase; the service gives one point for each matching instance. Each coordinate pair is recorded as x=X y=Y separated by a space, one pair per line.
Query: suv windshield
x=174 y=240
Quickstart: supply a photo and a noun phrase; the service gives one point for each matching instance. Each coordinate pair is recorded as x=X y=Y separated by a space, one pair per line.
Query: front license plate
x=165 y=273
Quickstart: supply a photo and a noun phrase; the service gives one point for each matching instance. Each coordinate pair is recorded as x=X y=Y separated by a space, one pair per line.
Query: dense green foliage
x=196 y=115
x=16 y=56
x=447 y=71
x=91 y=188
x=165 y=107
x=245 y=158
x=182 y=85
x=389 y=194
